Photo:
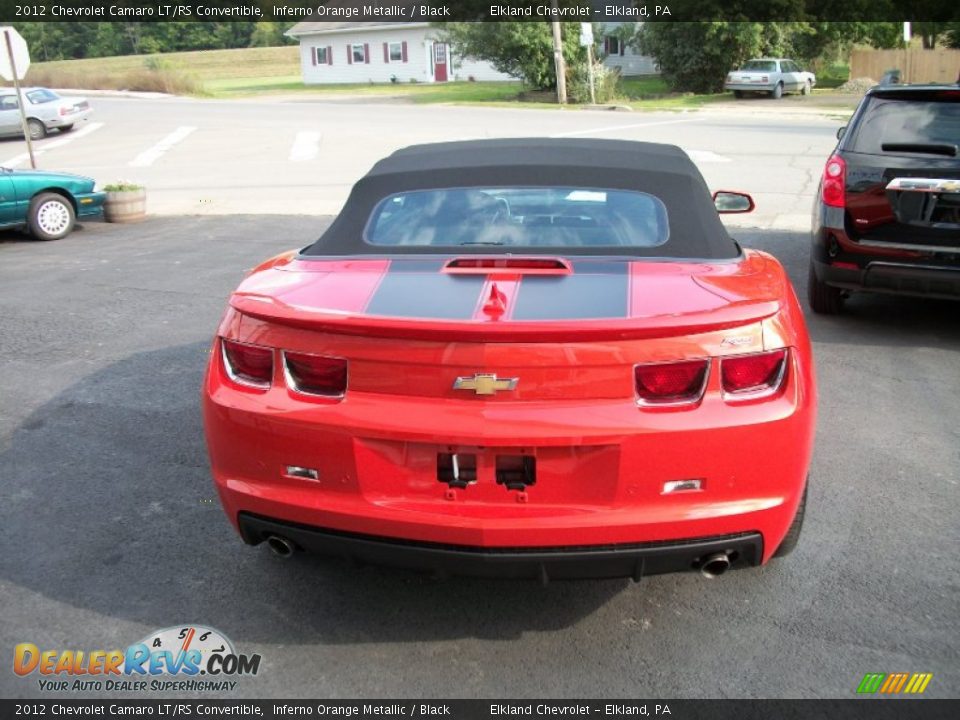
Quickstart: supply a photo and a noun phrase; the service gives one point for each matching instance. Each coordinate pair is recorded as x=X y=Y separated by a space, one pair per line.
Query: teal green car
x=47 y=204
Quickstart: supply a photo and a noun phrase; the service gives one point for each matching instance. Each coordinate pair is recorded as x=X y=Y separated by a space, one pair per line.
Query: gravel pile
x=857 y=86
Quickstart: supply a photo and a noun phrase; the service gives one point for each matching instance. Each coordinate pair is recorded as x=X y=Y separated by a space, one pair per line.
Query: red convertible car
x=527 y=358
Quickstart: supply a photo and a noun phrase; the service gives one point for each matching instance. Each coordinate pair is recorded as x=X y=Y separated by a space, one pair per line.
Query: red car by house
x=530 y=358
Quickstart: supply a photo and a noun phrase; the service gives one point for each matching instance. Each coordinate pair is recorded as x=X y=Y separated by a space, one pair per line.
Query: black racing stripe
x=594 y=290
x=425 y=292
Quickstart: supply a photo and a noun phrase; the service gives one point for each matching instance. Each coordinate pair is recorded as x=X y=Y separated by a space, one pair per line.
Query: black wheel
x=793 y=534
x=50 y=216
x=66 y=128
x=824 y=300
x=37 y=129
x=738 y=94
x=806 y=89
x=777 y=92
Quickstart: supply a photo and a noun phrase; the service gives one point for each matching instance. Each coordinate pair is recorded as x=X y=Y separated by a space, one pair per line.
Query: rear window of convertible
x=522 y=217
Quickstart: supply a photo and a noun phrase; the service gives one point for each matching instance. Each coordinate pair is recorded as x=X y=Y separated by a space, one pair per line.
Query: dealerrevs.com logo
x=180 y=658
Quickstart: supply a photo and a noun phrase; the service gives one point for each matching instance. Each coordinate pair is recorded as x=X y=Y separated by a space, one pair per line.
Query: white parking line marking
x=151 y=155
x=305 y=146
x=612 y=128
x=39 y=150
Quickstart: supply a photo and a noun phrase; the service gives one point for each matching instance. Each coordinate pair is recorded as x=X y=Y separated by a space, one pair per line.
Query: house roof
x=329 y=28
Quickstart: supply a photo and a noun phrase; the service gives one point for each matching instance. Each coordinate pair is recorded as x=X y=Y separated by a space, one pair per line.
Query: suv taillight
x=834 y=182
x=754 y=376
x=671 y=384
x=250 y=365
x=315 y=374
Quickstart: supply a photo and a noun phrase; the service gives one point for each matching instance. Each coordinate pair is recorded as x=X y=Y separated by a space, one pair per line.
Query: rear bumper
x=554 y=563
x=749 y=87
x=895 y=279
x=58 y=121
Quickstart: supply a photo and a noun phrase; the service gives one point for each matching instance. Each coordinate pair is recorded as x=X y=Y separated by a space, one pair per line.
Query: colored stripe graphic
x=595 y=290
x=417 y=289
x=871 y=682
x=894 y=683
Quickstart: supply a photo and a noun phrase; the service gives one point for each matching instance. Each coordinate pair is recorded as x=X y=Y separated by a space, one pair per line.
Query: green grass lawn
x=652 y=93
x=451 y=92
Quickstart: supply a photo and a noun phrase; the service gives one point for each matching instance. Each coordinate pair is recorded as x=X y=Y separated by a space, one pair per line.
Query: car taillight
x=245 y=364
x=315 y=374
x=834 y=183
x=675 y=383
x=753 y=376
x=65 y=111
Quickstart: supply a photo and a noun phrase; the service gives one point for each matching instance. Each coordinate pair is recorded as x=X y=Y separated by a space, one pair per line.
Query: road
x=225 y=157
x=109 y=531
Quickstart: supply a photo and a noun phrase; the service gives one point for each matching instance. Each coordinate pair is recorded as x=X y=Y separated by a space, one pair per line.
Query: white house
x=382 y=52
x=623 y=57
x=364 y=52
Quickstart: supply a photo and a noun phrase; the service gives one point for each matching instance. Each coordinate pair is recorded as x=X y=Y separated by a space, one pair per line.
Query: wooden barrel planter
x=125 y=206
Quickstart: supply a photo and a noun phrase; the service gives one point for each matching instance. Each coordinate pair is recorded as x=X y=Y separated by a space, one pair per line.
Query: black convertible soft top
x=664 y=171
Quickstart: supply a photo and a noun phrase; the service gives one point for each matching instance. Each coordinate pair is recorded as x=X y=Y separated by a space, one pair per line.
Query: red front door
x=440 y=62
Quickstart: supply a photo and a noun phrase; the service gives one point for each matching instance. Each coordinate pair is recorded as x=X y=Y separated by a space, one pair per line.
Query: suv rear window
x=522 y=217
x=889 y=121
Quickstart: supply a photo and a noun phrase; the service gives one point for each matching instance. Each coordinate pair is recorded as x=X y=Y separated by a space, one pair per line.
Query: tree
x=695 y=57
x=521 y=49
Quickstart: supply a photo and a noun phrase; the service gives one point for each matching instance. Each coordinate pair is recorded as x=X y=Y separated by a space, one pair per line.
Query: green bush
x=604 y=83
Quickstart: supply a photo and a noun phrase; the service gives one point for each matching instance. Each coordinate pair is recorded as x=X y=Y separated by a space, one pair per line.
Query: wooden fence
x=915 y=66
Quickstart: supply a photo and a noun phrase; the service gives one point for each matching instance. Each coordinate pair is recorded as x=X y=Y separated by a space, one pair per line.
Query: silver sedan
x=775 y=76
x=45 y=111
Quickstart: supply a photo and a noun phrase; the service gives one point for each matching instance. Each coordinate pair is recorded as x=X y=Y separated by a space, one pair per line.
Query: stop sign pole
x=16 y=85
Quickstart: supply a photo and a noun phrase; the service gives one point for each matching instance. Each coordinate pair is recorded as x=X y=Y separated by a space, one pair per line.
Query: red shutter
x=349 y=55
x=403 y=50
x=329 y=54
x=386 y=53
x=606 y=46
x=366 y=52
x=313 y=56
x=622 y=47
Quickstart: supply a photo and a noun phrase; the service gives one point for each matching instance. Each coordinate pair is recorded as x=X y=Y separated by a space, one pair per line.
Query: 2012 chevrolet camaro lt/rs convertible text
x=527 y=358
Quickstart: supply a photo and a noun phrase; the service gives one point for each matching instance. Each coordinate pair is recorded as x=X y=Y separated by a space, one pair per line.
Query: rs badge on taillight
x=671 y=384
x=319 y=375
x=248 y=365
x=751 y=377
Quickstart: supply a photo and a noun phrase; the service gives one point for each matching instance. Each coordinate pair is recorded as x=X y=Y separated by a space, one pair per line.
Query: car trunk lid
x=446 y=298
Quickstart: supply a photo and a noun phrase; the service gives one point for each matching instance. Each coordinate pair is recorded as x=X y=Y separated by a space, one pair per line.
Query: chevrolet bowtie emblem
x=485 y=384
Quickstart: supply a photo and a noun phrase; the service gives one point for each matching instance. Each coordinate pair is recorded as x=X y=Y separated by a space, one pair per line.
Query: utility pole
x=558 y=56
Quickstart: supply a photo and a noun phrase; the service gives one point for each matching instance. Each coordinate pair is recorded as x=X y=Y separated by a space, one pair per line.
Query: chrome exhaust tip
x=715 y=565
x=280 y=546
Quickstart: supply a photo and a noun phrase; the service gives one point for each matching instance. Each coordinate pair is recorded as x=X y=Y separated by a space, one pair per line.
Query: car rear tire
x=777 y=92
x=37 y=129
x=738 y=94
x=66 y=128
x=793 y=534
x=50 y=217
x=824 y=299
x=806 y=89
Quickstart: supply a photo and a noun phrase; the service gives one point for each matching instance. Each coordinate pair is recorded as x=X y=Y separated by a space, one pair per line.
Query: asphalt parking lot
x=109 y=531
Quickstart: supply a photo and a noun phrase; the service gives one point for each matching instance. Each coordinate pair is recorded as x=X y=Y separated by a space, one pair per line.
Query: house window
x=613 y=45
x=359 y=54
x=322 y=58
x=396 y=52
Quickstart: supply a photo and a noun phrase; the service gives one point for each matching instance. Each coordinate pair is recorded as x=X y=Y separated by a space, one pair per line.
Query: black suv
x=887 y=215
